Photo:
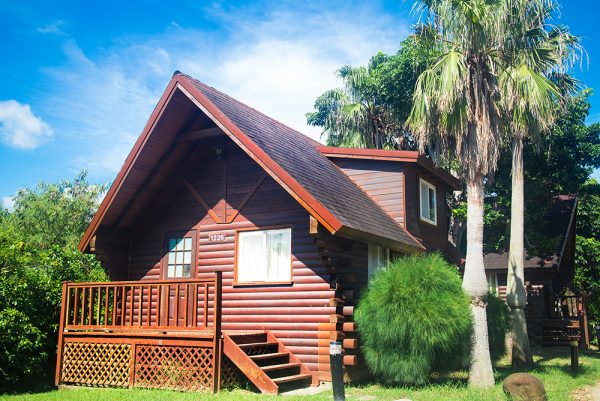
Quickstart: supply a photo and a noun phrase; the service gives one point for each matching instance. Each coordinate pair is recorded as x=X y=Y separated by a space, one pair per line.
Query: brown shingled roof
x=291 y=158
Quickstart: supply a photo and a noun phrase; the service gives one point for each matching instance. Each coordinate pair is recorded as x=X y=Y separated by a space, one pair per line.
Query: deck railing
x=567 y=307
x=172 y=305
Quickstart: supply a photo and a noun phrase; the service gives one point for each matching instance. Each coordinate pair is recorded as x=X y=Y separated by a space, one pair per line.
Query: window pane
x=171 y=271
x=179 y=244
x=251 y=262
x=172 y=244
x=424 y=201
x=186 y=271
x=279 y=255
x=179 y=258
x=187 y=243
x=171 y=258
x=432 y=204
x=178 y=271
x=187 y=257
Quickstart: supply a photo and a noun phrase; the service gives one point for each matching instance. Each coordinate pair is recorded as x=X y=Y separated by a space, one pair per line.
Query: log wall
x=301 y=314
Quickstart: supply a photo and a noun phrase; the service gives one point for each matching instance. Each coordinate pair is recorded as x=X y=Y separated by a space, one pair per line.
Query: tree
x=370 y=109
x=37 y=253
x=587 y=252
x=458 y=108
x=557 y=163
x=533 y=52
x=55 y=214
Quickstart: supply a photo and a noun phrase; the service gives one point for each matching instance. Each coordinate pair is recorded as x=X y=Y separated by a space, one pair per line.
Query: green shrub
x=498 y=318
x=22 y=355
x=414 y=319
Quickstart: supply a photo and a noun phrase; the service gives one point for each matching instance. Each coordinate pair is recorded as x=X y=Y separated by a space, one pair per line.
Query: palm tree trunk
x=515 y=291
x=475 y=285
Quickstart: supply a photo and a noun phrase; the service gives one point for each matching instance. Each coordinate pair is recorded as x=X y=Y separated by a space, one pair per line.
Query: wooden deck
x=151 y=334
x=165 y=334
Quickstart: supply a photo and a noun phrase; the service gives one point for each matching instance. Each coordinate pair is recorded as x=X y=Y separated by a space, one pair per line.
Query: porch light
x=219 y=152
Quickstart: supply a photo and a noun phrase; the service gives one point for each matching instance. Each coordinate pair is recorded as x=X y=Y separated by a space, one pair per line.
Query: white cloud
x=20 y=128
x=8 y=202
x=278 y=61
x=54 y=27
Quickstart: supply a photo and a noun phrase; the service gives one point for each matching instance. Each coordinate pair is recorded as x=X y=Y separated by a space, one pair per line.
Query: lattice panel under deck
x=96 y=364
x=174 y=367
x=231 y=376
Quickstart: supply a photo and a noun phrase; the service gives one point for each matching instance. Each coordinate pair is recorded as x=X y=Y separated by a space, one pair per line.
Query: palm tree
x=534 y=54
x=356 y=116
x=477 y=92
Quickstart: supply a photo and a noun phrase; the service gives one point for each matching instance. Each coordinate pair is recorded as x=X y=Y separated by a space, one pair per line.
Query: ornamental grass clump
x=414 y=319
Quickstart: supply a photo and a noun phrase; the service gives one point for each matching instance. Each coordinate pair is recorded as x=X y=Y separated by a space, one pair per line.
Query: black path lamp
x=337 y=375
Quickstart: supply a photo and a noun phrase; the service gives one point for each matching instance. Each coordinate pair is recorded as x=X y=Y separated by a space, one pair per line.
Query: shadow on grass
x=546 y=360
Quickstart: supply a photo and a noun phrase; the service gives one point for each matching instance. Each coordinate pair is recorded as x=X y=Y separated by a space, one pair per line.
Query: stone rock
x=524 y=387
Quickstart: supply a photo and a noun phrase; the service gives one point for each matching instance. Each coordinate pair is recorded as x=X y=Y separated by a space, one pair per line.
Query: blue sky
x=80 y=79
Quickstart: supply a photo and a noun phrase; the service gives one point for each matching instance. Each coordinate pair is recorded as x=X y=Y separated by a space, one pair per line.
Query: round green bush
x=414 y=319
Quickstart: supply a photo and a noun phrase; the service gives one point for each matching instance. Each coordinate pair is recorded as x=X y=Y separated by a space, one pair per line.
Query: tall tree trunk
x=515 y=291
x=475 y=285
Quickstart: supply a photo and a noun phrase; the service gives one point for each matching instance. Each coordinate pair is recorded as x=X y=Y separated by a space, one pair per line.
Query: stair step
x=247 y=338
x=257 y=345
x=288 y=379
x=268 y=356
x=270 y=368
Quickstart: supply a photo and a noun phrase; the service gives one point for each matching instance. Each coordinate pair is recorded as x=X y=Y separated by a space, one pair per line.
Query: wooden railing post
x=61 y=328
x=217 y=332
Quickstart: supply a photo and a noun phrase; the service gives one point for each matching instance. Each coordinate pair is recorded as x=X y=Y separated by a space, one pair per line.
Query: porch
x=165 y=334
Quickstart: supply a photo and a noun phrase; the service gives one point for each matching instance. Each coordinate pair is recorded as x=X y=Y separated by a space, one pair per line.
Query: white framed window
x=428 y=201
x=378 y=258
x=180 y=250
x=264 y=256
x=492 y=281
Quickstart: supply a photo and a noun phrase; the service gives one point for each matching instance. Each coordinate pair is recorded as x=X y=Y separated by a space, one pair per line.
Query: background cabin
x=238 y=248
x=555 y=312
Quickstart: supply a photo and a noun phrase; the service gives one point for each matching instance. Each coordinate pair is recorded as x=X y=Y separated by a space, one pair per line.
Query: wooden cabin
x=237 y=249
x=555 y=312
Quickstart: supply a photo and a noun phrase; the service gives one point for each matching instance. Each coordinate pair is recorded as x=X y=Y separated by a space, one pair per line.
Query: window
x=492 y=281
x=179 y=256
x=378 y=258
x=428 y=202
x=264 y=256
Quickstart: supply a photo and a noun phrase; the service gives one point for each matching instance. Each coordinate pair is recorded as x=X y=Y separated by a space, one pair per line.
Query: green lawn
x=552 y=366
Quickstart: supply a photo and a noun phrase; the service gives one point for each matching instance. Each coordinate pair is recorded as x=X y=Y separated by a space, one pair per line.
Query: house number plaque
x=217 y=237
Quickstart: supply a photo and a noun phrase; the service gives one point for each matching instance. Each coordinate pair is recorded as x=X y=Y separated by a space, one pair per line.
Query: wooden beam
x=200 y=200
x=248 y=196
x=199 y=134
x=314 y=226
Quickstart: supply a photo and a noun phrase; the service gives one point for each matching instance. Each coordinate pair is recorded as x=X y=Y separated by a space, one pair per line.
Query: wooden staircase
x=266 y=362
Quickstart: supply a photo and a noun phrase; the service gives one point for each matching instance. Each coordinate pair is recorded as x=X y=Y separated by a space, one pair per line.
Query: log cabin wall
x=381 y=180
x=395 y=187
x=296 y=313
x=433 y=237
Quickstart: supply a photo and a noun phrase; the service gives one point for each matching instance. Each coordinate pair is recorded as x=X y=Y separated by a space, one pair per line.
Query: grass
x=552 y=366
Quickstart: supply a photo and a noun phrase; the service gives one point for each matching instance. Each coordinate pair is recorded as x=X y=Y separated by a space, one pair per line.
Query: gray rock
x=524 y=387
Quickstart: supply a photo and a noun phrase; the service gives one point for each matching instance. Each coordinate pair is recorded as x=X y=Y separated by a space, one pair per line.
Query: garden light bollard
x=337 y=376
x=574 y=355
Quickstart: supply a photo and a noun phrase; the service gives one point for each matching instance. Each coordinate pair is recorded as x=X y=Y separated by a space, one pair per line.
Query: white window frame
x=285 y=270
x=424 y=217
x=377 y=258
x=494 y=282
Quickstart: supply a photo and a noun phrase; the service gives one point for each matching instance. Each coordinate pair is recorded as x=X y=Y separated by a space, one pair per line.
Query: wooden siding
x=433 y=237
x=382 y=181
x=294 y=313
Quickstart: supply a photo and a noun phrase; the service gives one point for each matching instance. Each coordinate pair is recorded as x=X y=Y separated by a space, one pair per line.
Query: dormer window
x=428 y=202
